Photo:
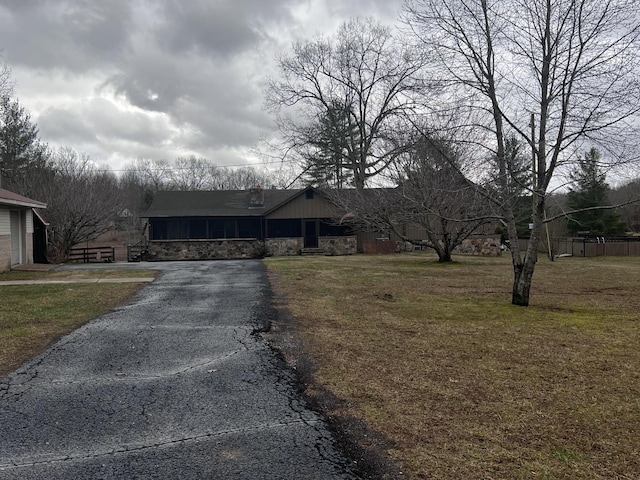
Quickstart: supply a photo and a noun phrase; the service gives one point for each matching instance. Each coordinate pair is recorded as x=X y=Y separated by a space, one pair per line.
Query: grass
x=74 y=274
x=33 y=316
x=467 y=385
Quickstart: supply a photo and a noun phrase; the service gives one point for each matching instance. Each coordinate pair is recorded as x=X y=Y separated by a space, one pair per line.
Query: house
x=16 y=229
x=245 y=224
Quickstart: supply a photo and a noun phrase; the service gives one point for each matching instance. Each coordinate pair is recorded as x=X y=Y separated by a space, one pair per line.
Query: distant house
x=245 y=224
x=16 y=229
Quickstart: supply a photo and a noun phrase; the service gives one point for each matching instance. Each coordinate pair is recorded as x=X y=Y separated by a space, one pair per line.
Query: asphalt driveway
x=175 y=384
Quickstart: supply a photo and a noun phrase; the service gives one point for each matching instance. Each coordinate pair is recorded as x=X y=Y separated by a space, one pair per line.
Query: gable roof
x=216 y=203
x=10 y=198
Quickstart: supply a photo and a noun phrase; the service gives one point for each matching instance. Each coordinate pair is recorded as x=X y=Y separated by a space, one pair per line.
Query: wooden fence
x=591 y=246
x=92 y=254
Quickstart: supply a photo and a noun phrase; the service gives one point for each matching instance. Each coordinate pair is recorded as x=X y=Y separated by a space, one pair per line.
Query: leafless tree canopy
x=552 y=72
x=83 y=201
x=194 y=173
x=363 y=71
x=431 y=196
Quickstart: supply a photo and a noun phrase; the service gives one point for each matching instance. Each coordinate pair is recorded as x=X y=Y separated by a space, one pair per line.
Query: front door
x=310 y=234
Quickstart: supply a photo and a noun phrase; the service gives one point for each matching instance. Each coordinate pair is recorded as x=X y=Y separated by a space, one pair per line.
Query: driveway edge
x=366 y=449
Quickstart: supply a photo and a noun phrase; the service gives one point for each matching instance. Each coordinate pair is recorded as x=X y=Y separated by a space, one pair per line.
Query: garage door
x=16 y=238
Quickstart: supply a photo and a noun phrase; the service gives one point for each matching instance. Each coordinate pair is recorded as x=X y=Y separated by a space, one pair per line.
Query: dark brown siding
x=302 y=207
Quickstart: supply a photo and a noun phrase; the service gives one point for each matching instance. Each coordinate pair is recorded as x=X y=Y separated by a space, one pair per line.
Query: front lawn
x=466 y=385
x=33 y=316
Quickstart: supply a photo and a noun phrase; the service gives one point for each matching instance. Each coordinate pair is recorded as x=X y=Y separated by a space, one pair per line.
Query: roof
x=236 y=203
x=216 y=203
x=13 y=199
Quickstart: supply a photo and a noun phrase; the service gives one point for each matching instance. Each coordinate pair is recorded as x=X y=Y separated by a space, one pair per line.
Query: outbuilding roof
x=10 y=198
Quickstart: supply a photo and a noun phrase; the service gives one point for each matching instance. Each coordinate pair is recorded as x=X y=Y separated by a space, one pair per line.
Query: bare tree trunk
x=523 y=269
x=576 y=72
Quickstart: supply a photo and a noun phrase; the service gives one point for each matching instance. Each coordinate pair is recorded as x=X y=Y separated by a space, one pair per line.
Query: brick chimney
x=256 y=197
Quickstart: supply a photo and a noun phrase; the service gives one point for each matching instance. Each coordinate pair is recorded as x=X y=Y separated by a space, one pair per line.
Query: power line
x=169 y=166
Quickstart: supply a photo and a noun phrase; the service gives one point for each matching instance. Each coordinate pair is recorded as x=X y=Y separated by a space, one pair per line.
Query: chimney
x=256 y=197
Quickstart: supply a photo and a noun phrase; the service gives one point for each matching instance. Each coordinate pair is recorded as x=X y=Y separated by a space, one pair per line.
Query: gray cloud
x=74 y=35
x=163 y=77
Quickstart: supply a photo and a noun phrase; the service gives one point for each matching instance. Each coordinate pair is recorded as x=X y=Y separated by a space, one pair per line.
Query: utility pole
x=533 y=182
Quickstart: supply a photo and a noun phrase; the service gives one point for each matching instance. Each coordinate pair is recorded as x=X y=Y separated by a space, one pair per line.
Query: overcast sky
x=122 y=79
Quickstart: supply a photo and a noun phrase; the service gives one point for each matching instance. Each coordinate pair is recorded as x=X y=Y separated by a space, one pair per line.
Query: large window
x=249 y=228
x=330 y=228
x=198 y=228
x=284 y=228
x=242 y=227
x=158 y=229
x=204 y=228
x=293 y=228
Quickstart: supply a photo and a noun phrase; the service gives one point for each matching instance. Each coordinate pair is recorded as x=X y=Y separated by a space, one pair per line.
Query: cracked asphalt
x=175 y=384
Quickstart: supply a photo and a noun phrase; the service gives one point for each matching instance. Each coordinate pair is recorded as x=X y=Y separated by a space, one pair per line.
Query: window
x=284 y=228
x=216 y=228
x=205 y=228
x=330 y=228
x=249 y=228
x=198 y=229
x=158 y=229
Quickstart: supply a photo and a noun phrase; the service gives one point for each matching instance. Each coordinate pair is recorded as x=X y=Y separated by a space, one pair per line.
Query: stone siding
x=338 y=245
x=284 y=247
x=167 y=250
x=160 y=250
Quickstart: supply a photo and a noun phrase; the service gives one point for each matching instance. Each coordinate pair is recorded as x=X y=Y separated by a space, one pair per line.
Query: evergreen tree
x=328 y=160
x=590 y=189
x=21 y=152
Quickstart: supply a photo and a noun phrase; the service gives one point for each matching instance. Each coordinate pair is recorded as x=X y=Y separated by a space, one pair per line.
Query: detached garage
x=16 y=229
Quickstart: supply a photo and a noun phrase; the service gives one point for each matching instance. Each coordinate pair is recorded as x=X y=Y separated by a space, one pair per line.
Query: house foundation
x=166 y=250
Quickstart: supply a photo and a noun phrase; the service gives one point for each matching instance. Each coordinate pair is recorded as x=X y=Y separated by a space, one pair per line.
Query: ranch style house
x=253 y=223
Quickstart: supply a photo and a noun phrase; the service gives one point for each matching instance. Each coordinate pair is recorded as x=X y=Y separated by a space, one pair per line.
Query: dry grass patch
x=467 y=385
x=33 y=316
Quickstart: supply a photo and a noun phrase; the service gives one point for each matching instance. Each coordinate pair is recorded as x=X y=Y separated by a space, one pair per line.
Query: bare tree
x=551 y=72
x=364 y=72
x=82 y=200
x=431 y=196
x=193 y=173
x=242 y=178
x=156 y=174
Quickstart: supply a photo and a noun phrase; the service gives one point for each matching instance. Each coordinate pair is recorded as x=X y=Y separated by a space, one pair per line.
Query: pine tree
x=590 y=189
x=21 y=152
x=328 y=161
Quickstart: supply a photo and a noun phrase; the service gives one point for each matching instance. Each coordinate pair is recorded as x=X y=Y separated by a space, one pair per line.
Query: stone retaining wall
x=284 y=247
x=338 y=245
x=160 y=250
x=480 y=246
